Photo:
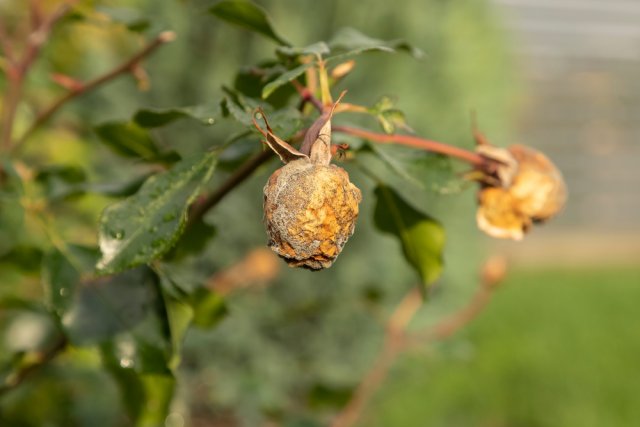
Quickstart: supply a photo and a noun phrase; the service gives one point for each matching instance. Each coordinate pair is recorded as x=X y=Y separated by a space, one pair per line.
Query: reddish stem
x=306 y=95
x=125 y=67
x=18 y=70
x=393 y=344
x=397 y=339
x=416 y=142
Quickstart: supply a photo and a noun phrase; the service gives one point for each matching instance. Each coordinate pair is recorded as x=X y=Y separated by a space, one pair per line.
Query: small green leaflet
x=144 y=226
x=156 y=117
x=247 y=15
x=284 y=79
x=422 y=238
x=348 y=42
x=129 y=140
x=319 y=49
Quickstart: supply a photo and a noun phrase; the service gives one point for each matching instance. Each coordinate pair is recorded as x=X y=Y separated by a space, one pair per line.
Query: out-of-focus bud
x=258 y=268
x=342 y=69
x=494 y=271
x=525 y=188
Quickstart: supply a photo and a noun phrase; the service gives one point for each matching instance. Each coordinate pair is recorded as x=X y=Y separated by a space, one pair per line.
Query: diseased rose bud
x=526 y=189
x=310 y=212
x=310 y=206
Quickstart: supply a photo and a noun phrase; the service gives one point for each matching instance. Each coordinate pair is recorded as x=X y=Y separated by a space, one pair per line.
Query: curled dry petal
x=534 y=193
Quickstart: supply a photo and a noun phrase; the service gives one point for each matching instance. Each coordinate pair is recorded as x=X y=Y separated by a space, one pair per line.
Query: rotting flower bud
x=533 y=192
x=310 y=206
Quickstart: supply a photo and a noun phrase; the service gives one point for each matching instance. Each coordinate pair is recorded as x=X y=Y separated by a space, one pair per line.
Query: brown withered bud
x=526 y=188
x=310 y=206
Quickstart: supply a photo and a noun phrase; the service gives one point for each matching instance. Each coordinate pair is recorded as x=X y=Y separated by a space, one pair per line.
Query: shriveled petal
x=539 y=186
x=498 y=215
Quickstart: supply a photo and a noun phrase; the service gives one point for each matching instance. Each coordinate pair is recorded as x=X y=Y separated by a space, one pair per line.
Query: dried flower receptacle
x=310 y=212
x=528 y=189
x=310 y=206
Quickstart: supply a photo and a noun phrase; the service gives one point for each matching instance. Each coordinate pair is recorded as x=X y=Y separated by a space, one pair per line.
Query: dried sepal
x=505 y=166
x=531 y=192
x=317 y=140
x=284 y=150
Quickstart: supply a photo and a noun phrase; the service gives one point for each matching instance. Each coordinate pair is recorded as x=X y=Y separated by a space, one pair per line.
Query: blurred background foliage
x=290 y=351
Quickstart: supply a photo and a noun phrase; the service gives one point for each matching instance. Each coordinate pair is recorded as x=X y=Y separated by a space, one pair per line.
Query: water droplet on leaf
x=117 y=234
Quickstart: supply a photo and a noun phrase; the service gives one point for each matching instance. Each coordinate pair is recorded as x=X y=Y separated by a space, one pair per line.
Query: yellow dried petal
x=538 y=185
x=498 y=215
x=535 y=193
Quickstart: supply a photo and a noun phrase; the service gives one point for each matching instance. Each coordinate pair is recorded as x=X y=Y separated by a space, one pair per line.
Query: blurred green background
x=557 y=346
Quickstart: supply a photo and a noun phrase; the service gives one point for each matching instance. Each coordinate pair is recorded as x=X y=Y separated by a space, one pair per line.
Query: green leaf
x=126 y=314
x=61 y=182
x=422 y=238
x=209 y=308
x=283 y=79
x=156 y=117
x=388 y=116
x=247 y=15
x=144 y=226
x=11 y=210
x=348 y=42
x=130 y=18
x=158 y=392
x=127 y=379
x=61 y=274
x=394 y=164
x=179 y=315
x=285 y=122
x=106 y=306
x=129 y=140
x=319 y=48
x=10 y=302
x=146 y=397
x=193 y=241
x=391 y=119
x=425 y=171
x=119 y=189
x=24 y=257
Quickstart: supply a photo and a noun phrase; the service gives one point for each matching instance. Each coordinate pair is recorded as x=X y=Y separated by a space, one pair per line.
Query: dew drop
x=63 y=292
x=126 y=362
x=210 y=120
x=117 y=234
